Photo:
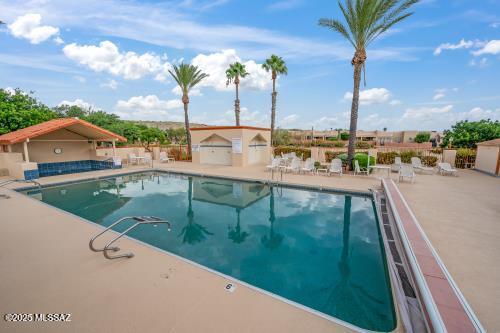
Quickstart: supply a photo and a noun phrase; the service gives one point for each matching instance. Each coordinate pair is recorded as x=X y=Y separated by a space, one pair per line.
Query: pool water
x=319 y=249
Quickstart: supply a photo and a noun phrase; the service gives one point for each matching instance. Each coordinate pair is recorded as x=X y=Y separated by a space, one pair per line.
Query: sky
x=439 y=66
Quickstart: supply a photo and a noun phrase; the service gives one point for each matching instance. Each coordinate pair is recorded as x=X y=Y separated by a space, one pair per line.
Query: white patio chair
x=446 y=168
x=294 y=166
x=308 y=166
x=335 y=167
x=417 y=165
x=148 y=158
x=132 y=158
x=406 y=171
x=396 y=165
x=358 y=169
x=275 y=164
x=164 y=158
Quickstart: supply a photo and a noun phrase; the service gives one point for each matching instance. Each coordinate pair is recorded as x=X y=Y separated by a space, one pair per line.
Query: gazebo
x=58 y=146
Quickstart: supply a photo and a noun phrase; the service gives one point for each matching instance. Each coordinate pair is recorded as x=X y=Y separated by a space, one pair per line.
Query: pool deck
x=46 y=266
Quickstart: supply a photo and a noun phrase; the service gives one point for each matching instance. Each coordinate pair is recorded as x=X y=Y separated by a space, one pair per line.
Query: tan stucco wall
x=486 y=158
x=246 y=136
x=43 y=151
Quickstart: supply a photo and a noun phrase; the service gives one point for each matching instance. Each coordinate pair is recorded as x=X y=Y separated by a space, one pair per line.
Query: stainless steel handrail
x=139 y=221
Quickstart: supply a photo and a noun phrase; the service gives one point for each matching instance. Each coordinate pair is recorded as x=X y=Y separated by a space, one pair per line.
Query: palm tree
x=233 y=74
x=276 y=65
x=366 y=20
x=187 y=76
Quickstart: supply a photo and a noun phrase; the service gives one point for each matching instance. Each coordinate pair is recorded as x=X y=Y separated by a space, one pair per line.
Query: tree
x=19 y=110
x=422 y=137
x=187 y=76
x=366 y=20
x=233 y=74
x=465 y=134
x=276 y=65
x=150 y=135
x=176 y=135
x=282 y=137
x=71 y=111
x=344 y=136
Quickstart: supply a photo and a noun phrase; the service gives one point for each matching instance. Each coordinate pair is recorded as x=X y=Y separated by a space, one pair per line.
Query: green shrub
x=422 y=137
x=339 y=144
x=317 y=165
x=344 y=136
x=465 y=152
x=330 y=155
x=363 y=145
x=406 y=155
x=429 y=160
x=305 y=153
x=386 y=157
x=343 y=158
x=363 y=160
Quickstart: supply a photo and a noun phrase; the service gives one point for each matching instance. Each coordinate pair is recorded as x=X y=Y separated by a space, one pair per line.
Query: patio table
x=382 y=167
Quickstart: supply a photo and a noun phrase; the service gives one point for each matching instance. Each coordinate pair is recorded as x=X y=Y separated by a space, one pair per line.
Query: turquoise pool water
x=320 y=249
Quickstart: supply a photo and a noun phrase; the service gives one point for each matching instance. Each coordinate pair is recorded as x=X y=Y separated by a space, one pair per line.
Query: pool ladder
x=140 y=220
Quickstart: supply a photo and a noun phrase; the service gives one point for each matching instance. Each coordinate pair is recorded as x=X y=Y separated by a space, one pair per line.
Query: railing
x=140 y=220
x=10 y=181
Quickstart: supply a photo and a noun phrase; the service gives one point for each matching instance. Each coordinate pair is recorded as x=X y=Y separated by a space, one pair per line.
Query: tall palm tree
x=276 y=65
x=366 y=20
x=233 y=75
x=187 y=76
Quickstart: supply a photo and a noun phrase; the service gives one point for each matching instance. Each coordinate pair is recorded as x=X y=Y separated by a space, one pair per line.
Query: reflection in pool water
x=322 y=250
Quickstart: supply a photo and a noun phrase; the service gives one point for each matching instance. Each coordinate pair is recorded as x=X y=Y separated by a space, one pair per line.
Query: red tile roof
x=51 y=126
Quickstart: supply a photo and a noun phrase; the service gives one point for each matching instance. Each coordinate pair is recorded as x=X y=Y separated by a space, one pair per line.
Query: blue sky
x=439 y=66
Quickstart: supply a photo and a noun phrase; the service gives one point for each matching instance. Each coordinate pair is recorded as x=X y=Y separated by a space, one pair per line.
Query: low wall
x=121 y=152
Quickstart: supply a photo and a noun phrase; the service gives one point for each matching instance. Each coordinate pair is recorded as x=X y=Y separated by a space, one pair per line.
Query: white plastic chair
x=275 y=164
x=406 y=171
x=446 y=168
x=396 y=165
x=132 y=159
x=417 y=164
x=335 y=167
x=294 y=166
x=148 y=158
x=164 y=158
x=358 y=169
x=309 y=166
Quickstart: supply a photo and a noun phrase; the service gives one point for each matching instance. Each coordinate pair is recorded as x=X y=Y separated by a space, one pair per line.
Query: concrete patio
x=43 y=272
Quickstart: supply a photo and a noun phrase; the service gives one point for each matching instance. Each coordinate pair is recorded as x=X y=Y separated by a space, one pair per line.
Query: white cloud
x=438 y=96
x=28 y=27
x=58 y=40
x=148 y=108
x=80 y=78
x=107 y=58
x=215 y=64
x=478 y=113
x=284 y=5
x=111 y=84
x=481 y=63
x=463 y=44
x=395 y=102
x=492 y=47
x=78 y=102
x=425 y=113
x=193 y=92
x=370 y=96
x=289 y=120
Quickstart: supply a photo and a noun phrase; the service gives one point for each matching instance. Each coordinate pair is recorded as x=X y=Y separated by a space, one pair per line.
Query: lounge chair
x=164 y=158
x=132 y=159
x=358 y=169
x=446 y=168
x=396 y=165
x=417 y=165
x=275 y=164
x=309 y=166
x=294 y=166
x=335 y=167
x=406 y=171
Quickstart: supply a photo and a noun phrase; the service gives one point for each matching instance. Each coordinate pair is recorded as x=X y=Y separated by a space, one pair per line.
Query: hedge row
x=389 y=157
x=304 y=152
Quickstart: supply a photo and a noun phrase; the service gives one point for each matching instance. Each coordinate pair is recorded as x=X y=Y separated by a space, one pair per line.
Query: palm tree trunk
x=273 y=110
x=186 y=123
x=354 y=114
x=237 y=106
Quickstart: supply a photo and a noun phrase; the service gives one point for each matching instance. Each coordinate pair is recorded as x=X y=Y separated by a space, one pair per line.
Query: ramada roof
x=495 y=142
x=78 y=126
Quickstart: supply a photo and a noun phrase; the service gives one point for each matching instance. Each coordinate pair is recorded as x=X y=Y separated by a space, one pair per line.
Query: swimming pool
x=319 y=249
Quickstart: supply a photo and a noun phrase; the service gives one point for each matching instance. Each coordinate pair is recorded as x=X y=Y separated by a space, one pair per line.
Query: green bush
x=305 y=153
x=407 y=155
x=344 y=136
x=363 y=160
x=386 y=157
x=465 y=152
x=339 y=144
x=330 y=155
x=363 y=145
x=422 y=137
x=429 y=160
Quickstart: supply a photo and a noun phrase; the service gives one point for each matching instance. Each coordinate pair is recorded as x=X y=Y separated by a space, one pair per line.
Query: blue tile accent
x=31 y=174
x=60 y=168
